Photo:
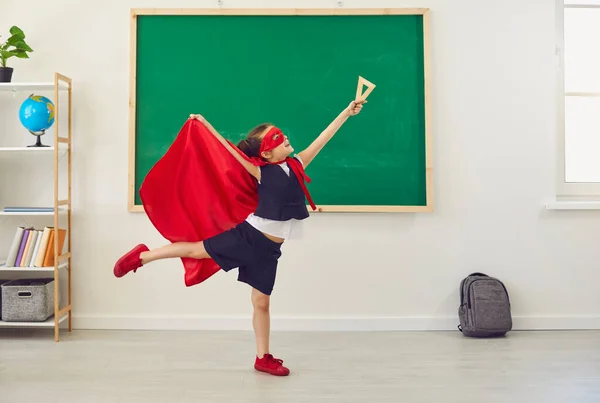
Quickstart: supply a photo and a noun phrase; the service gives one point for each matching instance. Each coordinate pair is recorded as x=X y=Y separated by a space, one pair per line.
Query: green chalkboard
x=297 y=71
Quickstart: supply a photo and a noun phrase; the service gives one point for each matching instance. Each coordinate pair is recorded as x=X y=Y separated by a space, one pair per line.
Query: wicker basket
x=28 y=300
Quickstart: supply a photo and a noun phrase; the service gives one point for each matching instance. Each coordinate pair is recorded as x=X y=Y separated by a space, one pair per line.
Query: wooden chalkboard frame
x=428 y=207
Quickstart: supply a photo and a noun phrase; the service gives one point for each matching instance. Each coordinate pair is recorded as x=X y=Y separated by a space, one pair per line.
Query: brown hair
x=251 y=144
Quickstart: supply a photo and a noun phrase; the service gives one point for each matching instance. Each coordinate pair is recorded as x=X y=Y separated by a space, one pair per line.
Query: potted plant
x=14 y=46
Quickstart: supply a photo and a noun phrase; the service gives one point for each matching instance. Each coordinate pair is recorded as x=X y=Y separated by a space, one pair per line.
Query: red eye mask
x=273 y=139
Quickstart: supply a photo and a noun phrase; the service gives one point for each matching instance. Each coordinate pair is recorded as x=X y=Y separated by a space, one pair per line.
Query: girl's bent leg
x=193 y=250
x=141 y=255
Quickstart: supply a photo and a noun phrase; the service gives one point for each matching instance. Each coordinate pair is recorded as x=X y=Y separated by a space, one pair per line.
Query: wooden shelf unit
x=61 y=146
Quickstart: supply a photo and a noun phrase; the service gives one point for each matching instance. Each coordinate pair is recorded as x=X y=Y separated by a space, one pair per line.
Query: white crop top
x=289 y=229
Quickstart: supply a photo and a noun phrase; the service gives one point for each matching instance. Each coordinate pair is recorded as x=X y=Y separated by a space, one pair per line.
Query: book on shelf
x=26 y=209
x=34 y=247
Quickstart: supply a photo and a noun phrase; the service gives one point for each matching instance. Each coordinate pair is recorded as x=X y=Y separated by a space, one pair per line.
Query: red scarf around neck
x=197 y=190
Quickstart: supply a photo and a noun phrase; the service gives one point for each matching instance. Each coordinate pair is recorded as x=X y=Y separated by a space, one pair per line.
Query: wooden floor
x=178 y=367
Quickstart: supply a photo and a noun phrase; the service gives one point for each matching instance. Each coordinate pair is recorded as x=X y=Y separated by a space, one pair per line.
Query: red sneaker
x=130 y=261
x=271 y=365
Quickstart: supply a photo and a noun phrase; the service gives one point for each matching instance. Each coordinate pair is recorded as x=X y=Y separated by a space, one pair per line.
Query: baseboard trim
x=320 y=324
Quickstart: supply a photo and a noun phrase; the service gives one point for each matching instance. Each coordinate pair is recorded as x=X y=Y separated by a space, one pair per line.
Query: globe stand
x=39 y=135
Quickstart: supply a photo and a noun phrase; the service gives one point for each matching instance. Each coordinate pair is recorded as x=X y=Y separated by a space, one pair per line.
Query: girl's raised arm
x=317 y=145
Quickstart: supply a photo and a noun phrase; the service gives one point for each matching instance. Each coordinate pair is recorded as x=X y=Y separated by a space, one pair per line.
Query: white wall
x=495 y=147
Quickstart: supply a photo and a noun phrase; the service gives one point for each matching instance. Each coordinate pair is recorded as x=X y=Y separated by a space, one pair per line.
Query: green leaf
x=6 y=54
x=22 y=55
x=15 y=38
x=14 y=30
x=22 y=46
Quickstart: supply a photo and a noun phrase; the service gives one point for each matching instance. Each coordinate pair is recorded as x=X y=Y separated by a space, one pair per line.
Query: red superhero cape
x=195 y=191
x=198 y=190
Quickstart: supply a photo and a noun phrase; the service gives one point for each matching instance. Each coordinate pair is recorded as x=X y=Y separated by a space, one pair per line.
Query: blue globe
x=37 y=114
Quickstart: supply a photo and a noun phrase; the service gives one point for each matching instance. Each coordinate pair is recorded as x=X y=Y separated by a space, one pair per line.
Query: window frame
x=564 y=189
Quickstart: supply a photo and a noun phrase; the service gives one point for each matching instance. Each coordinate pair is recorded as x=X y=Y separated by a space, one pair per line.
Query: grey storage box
x=28 y=300
x=1 y=282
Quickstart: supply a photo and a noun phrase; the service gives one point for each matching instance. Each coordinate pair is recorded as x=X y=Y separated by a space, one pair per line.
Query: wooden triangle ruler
x=360 y=96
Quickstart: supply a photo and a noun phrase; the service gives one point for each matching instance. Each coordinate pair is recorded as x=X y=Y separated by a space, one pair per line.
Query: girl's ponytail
x=244 y=145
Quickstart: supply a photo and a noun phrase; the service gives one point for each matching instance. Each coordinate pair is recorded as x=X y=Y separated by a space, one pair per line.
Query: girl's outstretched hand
x=355 y=107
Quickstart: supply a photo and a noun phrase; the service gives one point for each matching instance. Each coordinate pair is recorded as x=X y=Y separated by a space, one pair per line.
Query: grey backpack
x=484 y=307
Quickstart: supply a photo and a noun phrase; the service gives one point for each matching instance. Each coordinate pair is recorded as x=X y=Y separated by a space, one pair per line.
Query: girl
x=254 y=246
